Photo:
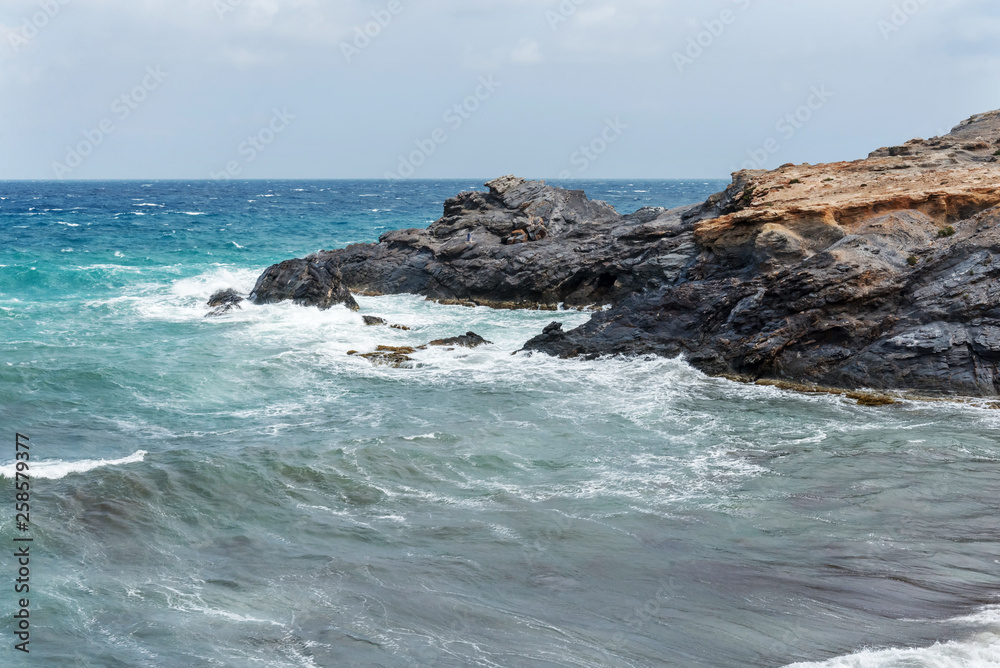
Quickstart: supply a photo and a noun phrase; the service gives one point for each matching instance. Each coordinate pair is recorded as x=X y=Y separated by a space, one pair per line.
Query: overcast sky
x=650 y=88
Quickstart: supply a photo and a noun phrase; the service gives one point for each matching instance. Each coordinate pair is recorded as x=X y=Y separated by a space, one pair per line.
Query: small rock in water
x=223 y=301
x=397 y=357
x=468 y=340
x=375 y=320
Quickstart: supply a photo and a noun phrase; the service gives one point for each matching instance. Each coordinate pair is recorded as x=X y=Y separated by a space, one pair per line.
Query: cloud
x=603 y=59
x=526 y=53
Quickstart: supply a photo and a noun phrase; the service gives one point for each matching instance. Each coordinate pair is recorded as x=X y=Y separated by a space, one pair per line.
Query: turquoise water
x=238 y=491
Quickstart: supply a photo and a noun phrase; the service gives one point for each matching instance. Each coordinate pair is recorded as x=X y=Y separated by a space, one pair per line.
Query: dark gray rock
x=588 y=254
x=312 y=281
x=467 y=340
x=223 y=301
x=372 y=320
x=845 y=317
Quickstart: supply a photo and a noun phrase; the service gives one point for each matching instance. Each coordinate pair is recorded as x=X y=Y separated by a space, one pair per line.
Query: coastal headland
x=879 y=273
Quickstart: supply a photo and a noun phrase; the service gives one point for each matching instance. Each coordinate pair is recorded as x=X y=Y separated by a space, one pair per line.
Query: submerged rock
x=311 y=281
x=397 y=357
x=372 y=321
x=223 y=301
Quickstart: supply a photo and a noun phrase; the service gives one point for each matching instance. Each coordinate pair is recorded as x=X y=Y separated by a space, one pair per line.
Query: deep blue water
x=239 y=491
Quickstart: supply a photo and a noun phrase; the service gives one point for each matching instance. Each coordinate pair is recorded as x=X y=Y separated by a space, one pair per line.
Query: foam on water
x=980 y=651
x=306 y=507
x=56 y=469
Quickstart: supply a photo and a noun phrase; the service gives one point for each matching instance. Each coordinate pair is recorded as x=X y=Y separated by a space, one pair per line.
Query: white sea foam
x=988 y=616
x=981 y=651
x=57 y=468
x=59 y=222
x=413 y=438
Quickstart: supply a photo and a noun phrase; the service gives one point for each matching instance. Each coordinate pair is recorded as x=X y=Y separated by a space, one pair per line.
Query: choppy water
x=240 y=492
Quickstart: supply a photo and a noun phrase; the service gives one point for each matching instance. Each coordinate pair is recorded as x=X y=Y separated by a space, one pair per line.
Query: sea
x=239 y=491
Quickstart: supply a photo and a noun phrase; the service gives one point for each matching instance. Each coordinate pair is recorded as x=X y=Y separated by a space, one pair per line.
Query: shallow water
x=239 y=491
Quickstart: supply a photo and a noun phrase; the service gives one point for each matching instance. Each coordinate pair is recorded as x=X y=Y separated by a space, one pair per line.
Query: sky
x=247 y=89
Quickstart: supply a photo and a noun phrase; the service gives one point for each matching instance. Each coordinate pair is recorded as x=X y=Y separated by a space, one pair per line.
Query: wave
x=420 y=436
x=56 y=469
x=981 y=651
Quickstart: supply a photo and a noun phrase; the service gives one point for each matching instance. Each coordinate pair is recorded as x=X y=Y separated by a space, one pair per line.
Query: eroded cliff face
x=876 y=273
x=880 y=272
x=788 y=214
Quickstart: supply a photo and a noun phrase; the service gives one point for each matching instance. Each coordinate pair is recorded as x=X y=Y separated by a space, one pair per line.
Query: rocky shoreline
x=879 y=273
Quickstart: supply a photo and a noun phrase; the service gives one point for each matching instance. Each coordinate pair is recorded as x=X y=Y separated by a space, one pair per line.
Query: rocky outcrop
x=312 y=281
x=879 y=273
x=525 y=244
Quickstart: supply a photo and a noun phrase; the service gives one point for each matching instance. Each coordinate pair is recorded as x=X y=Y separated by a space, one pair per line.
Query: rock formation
x=877 y=273
x=223 y=301
x=583 y=252
x=311 y=281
